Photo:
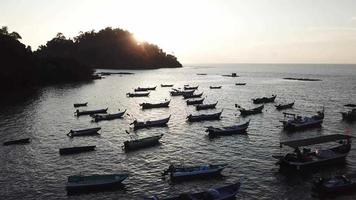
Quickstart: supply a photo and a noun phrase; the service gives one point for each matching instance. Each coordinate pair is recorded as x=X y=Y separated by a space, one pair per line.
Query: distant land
x=63 y=60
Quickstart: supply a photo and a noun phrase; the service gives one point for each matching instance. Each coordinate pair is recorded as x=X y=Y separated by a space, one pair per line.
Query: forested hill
x=109 y=48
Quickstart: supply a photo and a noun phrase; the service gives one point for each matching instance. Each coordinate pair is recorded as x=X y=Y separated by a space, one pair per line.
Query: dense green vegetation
x=67 y=60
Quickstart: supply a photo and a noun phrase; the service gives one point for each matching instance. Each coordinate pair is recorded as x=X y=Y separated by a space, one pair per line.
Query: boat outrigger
x=138 y=94
x=184 y=172
x=264 y=99
x=228 y=130
x=150 y=123
x=155 y=105
x=294 y=122
x=204 y=117
x=90 y=112
x=307 y=158
x=102 y=117
x=131 y=145
x=284 y=106
x=205 y=106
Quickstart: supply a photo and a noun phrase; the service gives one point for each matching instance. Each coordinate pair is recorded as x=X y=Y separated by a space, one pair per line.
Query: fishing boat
x=264 y=99
x=150 y=123
x=350 y=105
x=301 y=160
x=74 y=150
x=142 y=143
x=245 y=112
x=215 y=87
x=144 y=89
x=102 y=117
x=138 y=94
x=350 y=115
x=293 y=122
x=94 y=182
x=19 y=141
x=166 y=85
x=228 y=130
x=221 y=193
x=155 y=105
x=90 y=112
x=231 y=75
x=195 y=101
x=176 y=92
x=192 y=96
x=187 y=87
x=76 y=105
x=284 y=106
x=185 y=172
x=336 y=185
x=202 y=74
x=204 y=117
x=240 y=83
x=84 y=132
x=205 y=106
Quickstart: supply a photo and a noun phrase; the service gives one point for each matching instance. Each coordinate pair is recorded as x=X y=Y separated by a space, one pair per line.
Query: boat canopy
x=315 y=140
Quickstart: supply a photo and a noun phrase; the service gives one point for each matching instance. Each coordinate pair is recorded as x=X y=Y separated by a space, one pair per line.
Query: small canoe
x=20 y=141
x=195 y=101
x=205 y=106
x=84 y=132
x=182 y=172
x=138 y=94
x=284 y=106
x=90 y=112
x=94 y=182
x=240 y=83
x=264 y=99
x=76 y=105
x=97 y=118
x=142 y=143
x=228 y=130
x=192 y=96
x=155 y=105
x=191 y=87
x=150 y=123
x=166 y=85
x=144 y=89
x=204 y=117
x=74 y=150
x=221 y=193
x=245 y=112
x=215 y=87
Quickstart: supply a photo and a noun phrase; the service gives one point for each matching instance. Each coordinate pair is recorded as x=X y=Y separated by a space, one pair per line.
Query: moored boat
x=195 y=101
x=231 y=75
x=187 y=87
x=228 y=130
x=221 y=193
x=336 y=185
x=264 y=99
x=245 y=112
x=155 y=105
x=215 y=87
x=176 y=92
x=205 y=106
x=102 y=117
x=142 y=143
x=185 y=172
x=166 y=85
x=137 y=94
x=192 y=96
x=284 y=106
x=84 y=132
x=150 y=123
x=240 y=83
x=90 y=112
x=74 y=150
x=76 y=105
x=204 y=117
x=349 y=116
x=94 y=182
x=19 y=141
x=293 y=122
x=144 y=89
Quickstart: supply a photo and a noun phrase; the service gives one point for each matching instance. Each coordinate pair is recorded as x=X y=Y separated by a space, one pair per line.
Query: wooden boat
x=102 y=117
x=215 y=87
x=205 y=106
x=231 y=75
x=257 y=110
x=204 y=117
x=151 y=123
x=76 y=105
x=176 y=92
x=221 y=193
x=155 y=105
x=90 y=112
x=94 y=182
x=192 y=96
x=166 y=85
x=292 y=121
x=264 y=99
x=74 y=150
x=138 y=94
x=19 y=141
x=228 y=130
x=195 y=101
x=183 y=172
x=190 y=87
x=349 y=116
x=350 y=105
x=142 y=143
x=336 y=185
x=240 y=83
x=202 y=74
x=144 y=89
x=301 y=160
x=84 y=132
x=284 y=106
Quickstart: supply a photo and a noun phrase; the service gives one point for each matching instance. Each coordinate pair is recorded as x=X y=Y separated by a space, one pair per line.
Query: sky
x=202 y=31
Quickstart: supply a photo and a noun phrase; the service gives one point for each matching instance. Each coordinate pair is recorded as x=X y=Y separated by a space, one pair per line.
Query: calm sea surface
x=37 y=171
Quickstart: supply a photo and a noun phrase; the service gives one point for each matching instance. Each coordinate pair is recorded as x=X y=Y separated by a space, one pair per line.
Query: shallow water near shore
x=37 y=171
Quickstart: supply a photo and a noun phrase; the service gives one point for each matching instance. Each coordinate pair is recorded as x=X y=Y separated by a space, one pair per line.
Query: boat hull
x=142 y=143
